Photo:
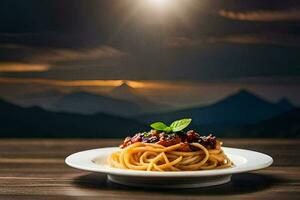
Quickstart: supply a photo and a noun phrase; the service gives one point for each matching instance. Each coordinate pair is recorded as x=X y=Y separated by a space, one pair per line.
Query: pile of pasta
x=155 y=157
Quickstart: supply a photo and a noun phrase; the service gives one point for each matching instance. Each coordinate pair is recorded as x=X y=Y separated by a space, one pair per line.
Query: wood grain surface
x=35 y=169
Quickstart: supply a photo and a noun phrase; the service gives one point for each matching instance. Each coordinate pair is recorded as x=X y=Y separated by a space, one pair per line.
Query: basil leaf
x=179 y=125
x=159 y=126
x=168 y=129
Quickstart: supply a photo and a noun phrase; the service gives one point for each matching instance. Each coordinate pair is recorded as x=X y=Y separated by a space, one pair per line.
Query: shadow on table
x=241 y=183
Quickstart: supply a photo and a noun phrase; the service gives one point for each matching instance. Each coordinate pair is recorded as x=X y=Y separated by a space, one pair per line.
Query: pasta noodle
x=156 y=157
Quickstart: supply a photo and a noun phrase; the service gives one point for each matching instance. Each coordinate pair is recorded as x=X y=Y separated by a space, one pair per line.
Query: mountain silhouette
x=124 y=91
x=17 y=121
x=88 y=103
x=238 y=109
x=285 y=104
x=284 y=125
x=128 y=93
x=42 y=99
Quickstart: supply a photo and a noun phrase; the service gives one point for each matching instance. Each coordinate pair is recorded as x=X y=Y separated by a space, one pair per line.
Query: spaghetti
x=184 y=152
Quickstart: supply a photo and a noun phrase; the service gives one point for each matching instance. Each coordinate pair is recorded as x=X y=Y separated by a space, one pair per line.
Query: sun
x=159 y=3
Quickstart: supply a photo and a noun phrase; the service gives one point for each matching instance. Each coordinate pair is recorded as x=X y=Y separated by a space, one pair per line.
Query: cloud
x=12 y=46
x=54 y=55
x=266 y=39
x=176 y=42
x=262 y=38
x=263 y=15
x=90 y=83
x=37 y=59
x=63 y=83
x=22 y=67
x=62 y=55
x=183 y=41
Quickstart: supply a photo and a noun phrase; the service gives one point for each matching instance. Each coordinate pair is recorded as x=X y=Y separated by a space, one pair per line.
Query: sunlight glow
x=62 y=83
x=159 y=2
x=86 y=83
x=22 y=67
x=135 y=84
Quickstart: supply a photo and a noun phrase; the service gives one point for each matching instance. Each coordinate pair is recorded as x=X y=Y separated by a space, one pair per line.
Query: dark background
x=108 y=68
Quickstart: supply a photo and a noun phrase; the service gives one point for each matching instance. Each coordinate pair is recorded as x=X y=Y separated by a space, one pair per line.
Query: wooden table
x=35 y=169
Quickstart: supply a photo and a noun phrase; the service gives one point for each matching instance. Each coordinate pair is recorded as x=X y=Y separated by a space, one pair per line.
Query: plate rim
x=268 y=160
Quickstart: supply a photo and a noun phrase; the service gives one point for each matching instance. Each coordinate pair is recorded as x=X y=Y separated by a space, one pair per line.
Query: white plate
x=95 y=160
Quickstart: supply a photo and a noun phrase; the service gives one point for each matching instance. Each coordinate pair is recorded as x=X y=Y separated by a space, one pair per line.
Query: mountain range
x=242 y=114
x=88 y=103
x=123 y=100
x=238 y=109
x=42 y=99
x=284 y=125
x=17 y=121
x=127 y=93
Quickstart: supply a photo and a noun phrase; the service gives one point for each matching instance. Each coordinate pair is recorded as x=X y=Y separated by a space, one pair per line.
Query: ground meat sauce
x=164 y=139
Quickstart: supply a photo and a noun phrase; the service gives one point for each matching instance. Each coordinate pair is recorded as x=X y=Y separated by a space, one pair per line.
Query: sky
x=83 y=43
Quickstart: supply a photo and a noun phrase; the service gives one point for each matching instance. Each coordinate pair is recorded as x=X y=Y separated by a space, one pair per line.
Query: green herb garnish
x=146 y=134
x=176 y=126
x=160 y=126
